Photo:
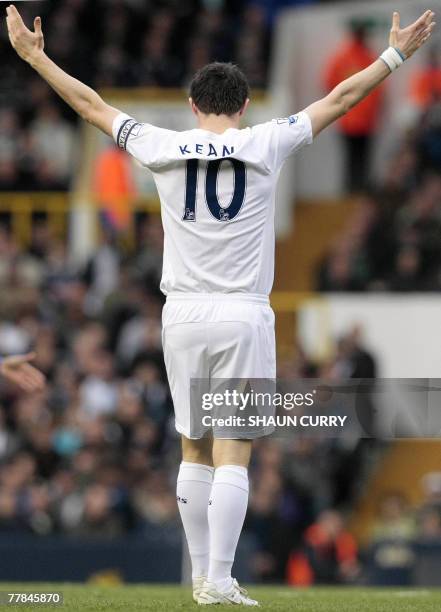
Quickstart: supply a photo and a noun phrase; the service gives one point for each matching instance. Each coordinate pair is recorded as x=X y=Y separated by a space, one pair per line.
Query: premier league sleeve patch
x=287 y=120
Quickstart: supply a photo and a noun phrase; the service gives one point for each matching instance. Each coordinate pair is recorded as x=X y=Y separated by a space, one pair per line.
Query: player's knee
x=197 y=451
x=231 y=452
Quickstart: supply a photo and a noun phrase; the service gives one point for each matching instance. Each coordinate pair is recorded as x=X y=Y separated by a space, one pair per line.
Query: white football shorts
x=220 y=336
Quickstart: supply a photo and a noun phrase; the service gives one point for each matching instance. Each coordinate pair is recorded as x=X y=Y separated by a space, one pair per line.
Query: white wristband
x=393 y=58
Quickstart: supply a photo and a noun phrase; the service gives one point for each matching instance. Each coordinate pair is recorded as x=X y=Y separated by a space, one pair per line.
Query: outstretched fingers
x=430 y=17
x=14 y=12
x=424 y=31
x=20 y=359
x=12 y=16
x=33 y=376
x=11 y=22
x=424 y=21
x=15 y=22
x=37 y=26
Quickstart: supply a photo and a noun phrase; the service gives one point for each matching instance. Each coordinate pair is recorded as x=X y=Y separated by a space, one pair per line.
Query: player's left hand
x=18 y=370
x=409 y=39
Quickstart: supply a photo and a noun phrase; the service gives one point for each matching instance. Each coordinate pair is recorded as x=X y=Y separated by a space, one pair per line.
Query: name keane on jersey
x=206 y=149
x=210 y=150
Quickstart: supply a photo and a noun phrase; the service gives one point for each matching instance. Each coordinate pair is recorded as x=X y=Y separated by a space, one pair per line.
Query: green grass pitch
x=128 y=598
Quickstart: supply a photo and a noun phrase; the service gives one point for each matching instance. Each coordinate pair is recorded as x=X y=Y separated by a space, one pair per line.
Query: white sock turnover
x=192 y=493
x=226 y=514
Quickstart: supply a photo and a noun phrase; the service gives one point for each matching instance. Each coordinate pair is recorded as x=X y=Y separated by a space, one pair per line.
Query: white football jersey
x=217 y=195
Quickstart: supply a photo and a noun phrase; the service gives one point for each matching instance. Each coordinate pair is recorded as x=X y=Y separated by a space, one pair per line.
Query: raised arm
x=84 y=100
x=403 y=44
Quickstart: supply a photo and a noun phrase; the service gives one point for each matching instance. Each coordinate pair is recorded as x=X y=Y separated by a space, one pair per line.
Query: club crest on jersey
x=182 y=500
x=189 y=215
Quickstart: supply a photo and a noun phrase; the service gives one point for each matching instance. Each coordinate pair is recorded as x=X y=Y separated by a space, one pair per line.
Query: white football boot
x=198 y=584
x=236 y=595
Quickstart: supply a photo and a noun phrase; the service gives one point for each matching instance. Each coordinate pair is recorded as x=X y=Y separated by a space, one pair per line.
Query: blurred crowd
x=401 y=529
x=397 y=519
x=36 y=152
x=94 y=453
x=117 y=43
x=392 y=239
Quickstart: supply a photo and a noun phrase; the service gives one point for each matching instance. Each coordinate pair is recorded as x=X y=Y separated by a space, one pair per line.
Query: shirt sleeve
x=286 y=136
x=142 y=140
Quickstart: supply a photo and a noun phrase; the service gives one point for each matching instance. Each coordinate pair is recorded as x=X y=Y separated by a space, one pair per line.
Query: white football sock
x=226 y=514
x=193 y=492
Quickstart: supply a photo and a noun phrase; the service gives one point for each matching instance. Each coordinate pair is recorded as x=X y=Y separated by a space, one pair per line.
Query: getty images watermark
x=368 y=408
x=242 y=400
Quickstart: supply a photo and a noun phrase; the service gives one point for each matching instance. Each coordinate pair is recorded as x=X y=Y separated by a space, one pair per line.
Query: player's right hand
x=409 y=39
x=28 y=44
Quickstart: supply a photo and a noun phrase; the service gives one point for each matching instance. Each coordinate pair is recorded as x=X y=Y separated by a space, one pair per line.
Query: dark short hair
x=219 y=89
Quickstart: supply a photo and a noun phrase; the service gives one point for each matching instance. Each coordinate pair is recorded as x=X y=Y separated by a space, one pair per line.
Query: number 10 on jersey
x=220 y=213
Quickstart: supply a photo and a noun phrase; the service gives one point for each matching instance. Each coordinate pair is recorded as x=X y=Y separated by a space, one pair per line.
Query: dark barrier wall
x=153 y=558
x=427 y=566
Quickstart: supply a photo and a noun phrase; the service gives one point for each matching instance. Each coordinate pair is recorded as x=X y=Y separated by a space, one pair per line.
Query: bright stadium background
x=88 y=468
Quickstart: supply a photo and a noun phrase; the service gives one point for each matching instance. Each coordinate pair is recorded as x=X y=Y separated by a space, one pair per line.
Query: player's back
x=217 y=195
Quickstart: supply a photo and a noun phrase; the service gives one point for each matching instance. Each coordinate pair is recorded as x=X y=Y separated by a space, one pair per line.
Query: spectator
x=394 y=521
x=428 y=139
x=391 y=541
x=98 y=392
x=352 y=360
x=9 y=135
x=431 y=484
x=9 y=175
x=102 y=271
x=357 y=127
x=329 y=553
x=425 y=85
x=54 y=139
x=407 y=274
x=98 y=517
x=429 y=525
x=114 y=188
